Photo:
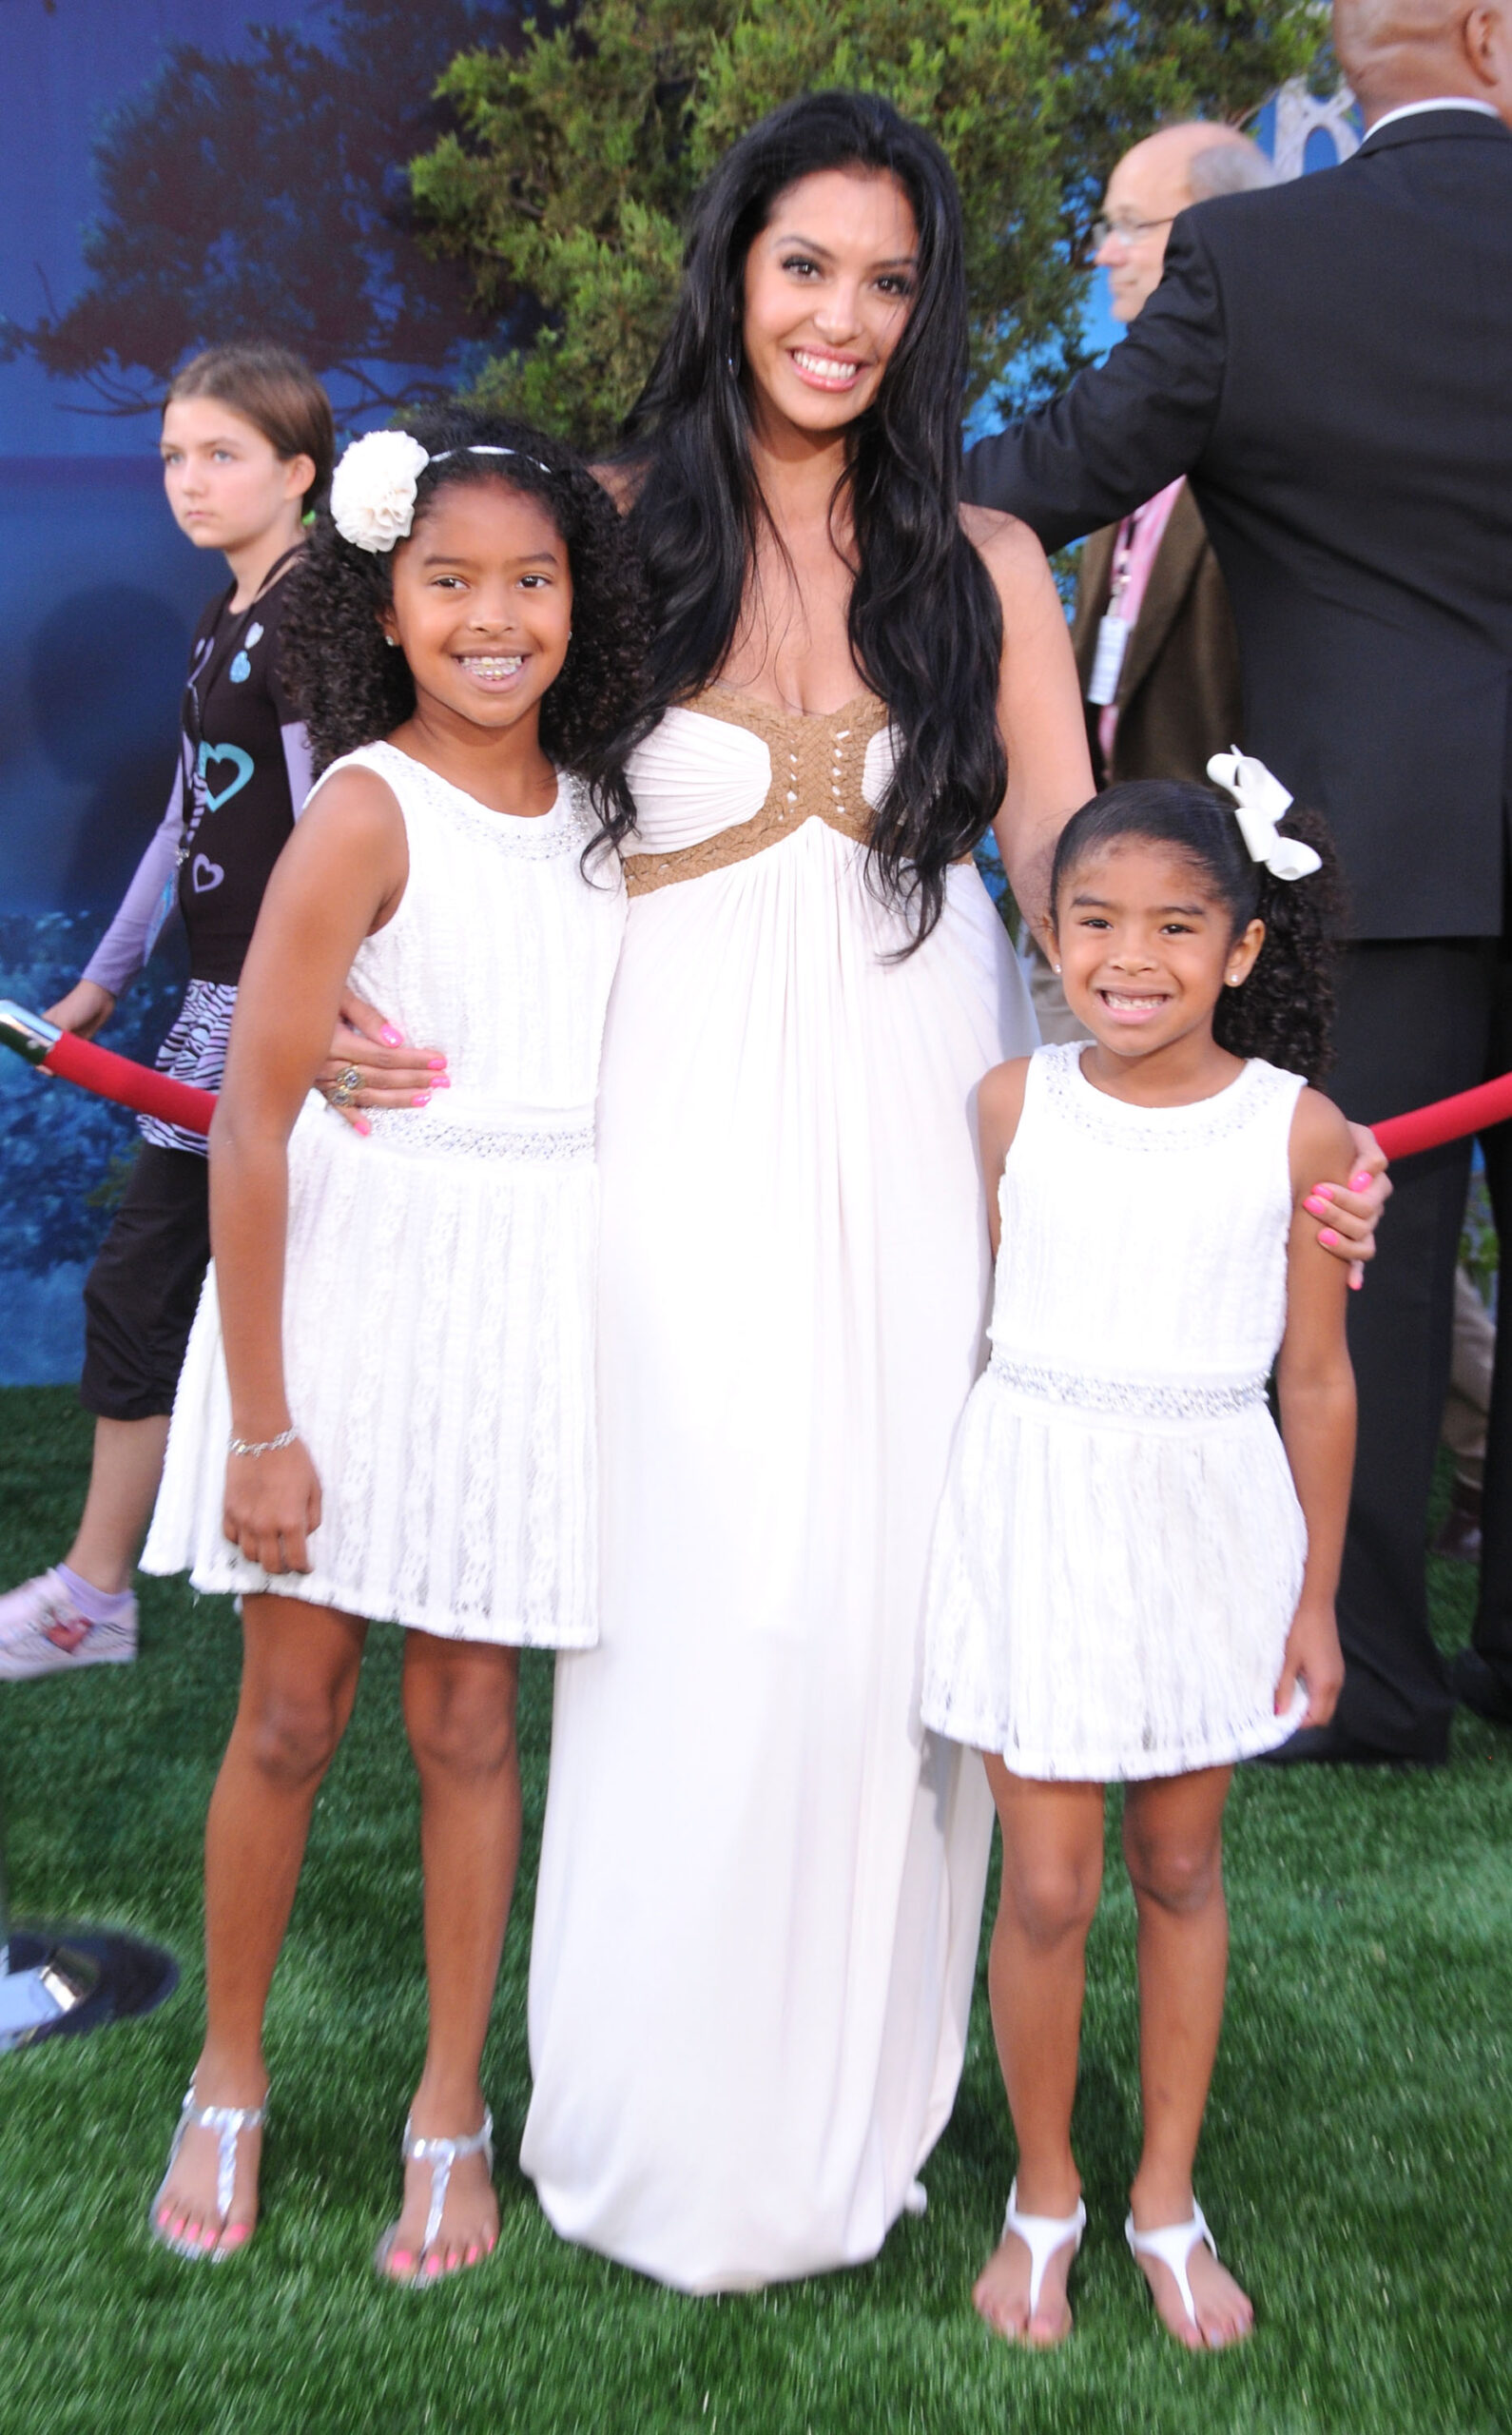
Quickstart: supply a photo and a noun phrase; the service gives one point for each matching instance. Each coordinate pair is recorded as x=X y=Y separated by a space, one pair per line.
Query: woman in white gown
x=761 y=1883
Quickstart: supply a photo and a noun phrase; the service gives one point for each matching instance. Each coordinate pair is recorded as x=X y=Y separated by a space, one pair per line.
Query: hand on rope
x=101 y=1070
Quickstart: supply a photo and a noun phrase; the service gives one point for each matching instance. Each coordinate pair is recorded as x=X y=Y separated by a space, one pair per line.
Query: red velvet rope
x=1426 y=1128
x=116 y=1078
x=152 y=1094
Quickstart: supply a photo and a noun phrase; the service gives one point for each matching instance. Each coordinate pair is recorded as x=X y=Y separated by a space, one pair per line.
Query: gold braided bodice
x=816 y=764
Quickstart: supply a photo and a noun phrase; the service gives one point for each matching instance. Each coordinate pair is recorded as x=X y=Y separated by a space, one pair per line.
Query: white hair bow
x=374 y=489
x=1259 y=801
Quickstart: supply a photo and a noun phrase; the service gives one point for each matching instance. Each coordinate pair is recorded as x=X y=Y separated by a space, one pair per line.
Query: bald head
x=1394 y=52
x=1152 y=184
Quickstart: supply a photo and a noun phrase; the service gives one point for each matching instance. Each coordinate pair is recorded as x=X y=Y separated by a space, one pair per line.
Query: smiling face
x=482 y=604
x=225 y=484
x=1146 y=946
x=829 y=283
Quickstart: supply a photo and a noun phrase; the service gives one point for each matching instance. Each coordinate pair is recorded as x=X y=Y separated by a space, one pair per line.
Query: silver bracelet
x=269 y=1445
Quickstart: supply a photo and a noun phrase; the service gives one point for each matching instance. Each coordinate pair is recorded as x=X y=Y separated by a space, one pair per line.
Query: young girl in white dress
x=386 y=1411
x=1133 y=1575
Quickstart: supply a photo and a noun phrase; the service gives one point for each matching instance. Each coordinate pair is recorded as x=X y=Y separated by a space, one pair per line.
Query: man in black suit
x=1331 y=362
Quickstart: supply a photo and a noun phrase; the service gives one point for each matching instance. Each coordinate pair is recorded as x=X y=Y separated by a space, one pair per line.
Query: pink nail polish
x=1360 y=1182
x=401 y=2261
x=391 y=1037
x=1316 y=1202
x=1327 y=1238
x=363 y=1126
x=442 y=1083
x=1355 y=1283
x=421 y=1099
x=437 y=1065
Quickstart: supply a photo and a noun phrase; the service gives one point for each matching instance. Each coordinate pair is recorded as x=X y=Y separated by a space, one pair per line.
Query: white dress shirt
x=1445 y=102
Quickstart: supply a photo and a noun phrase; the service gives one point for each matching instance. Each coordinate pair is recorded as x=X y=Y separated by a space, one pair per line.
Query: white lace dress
x=761 y=1880
x=1119 y=1550
x=438 y=1307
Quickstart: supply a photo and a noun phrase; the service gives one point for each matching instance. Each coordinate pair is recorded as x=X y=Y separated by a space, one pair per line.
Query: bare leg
x=459 y=1701
x=123 y=1478
x=299 y=1680
x=1174 y=1845
x=1051 y=1874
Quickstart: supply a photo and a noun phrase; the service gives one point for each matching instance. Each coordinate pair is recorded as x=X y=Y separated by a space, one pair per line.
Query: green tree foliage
x=265 y=195
x=578 y=151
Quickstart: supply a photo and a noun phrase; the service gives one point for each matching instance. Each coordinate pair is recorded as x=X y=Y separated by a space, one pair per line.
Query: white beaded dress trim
x=1124 y=1125
x=1151 y=1398
x=411 y=1133
x=542 y=838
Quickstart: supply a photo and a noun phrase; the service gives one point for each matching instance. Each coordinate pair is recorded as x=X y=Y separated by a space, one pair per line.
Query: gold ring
x=347 y=1082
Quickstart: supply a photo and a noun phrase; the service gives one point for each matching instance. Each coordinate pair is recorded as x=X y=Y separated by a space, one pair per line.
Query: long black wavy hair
x=353 y=689
x=1284 y=1010
x=925 y=618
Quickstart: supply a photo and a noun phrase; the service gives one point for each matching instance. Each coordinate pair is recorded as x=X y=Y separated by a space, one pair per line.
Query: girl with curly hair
x=386 y=1411
x=1133 y=1575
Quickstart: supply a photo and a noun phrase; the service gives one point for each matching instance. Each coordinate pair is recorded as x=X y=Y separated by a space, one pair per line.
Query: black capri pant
x=140 y=1296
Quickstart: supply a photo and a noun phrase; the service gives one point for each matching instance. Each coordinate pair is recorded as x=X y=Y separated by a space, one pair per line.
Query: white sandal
x=1171 y=2245
x=442 y=2155
x=1042 y=2235
x=227 y=2122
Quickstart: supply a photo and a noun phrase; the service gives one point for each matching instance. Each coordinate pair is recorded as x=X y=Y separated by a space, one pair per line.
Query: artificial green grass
x=1356 y=2163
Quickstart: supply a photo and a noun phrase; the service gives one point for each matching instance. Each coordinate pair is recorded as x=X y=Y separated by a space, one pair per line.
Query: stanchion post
x=59 y=1982
x=36 y=1999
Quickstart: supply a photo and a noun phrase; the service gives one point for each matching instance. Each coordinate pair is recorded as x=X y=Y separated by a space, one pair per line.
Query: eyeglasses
x=1127 y=231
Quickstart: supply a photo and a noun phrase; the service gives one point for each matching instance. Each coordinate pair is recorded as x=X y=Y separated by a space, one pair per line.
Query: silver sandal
x=227 y=2122
x=440 y=2154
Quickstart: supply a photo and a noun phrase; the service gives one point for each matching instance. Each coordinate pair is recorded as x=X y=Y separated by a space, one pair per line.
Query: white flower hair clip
x=374 y=488
x=1260 y=801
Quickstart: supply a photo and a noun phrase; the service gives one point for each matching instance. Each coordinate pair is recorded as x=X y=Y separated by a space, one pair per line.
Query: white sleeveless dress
x=761 y=1883
x=1119 y=1550
x=440 y=1283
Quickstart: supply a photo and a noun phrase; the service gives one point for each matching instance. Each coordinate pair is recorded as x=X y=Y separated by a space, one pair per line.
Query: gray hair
x=1236 y=166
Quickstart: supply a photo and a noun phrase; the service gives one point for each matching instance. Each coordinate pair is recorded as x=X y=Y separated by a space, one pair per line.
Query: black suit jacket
x=1331 y=361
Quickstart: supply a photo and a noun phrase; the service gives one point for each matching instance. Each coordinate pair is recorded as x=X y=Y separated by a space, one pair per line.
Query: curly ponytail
x=1284 y=1010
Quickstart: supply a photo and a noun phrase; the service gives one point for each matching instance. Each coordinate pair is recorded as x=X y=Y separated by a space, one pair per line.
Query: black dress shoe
x=1479 y=1686
x=1329 y=1745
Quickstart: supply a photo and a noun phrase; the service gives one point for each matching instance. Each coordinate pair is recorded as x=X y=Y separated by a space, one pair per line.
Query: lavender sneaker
x=43 y=1632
